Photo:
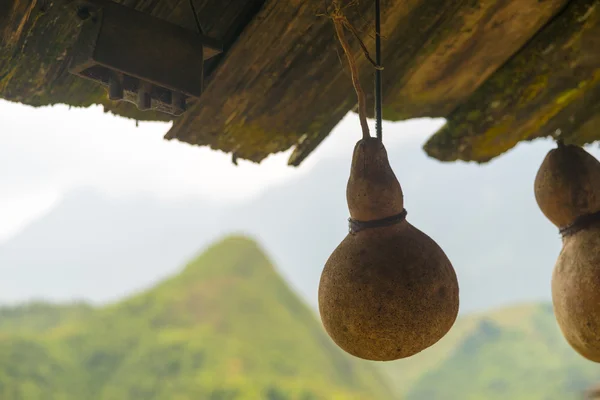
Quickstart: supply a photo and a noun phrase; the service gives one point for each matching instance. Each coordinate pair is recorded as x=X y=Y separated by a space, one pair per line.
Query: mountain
x=515 y=353
x=484 y=217
x=101 y=249
x=226 y=327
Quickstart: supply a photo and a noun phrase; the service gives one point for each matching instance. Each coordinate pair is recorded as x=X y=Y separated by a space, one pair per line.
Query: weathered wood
x=134 y=55
x=551 y=86
x=34 y=58
x=440 y=52
x=259 y=105
x=282 y=83
x=458 y=50
x=38 y=37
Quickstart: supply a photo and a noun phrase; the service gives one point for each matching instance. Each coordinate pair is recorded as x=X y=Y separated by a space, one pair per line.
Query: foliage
x=227 y=327
x=516 y=353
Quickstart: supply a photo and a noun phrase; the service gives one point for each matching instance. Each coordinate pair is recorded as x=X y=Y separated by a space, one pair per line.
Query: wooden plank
x=463 y=46
x=589 y=130
x=13 y=18
x=552 y=85
x=33 y=62
x=441 y=52
x=38 y=36
x=282 y=84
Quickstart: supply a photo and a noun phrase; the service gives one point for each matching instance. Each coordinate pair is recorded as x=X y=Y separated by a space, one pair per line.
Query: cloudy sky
x=47 y=152
x=158 y=218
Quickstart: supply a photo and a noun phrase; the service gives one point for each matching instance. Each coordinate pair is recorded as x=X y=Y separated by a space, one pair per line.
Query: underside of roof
x=499 y=71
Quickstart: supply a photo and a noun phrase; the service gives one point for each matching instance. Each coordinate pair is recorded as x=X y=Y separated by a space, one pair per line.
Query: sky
x=47 y=152
x=50 y=156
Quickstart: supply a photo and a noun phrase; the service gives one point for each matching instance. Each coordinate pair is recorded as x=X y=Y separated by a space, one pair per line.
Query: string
x=378 y=83
x=338 y=22
x=580 y=223
x=341 y=22
x=356 y=226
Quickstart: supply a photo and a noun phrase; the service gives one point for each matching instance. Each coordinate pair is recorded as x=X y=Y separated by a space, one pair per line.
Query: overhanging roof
x=500 y=71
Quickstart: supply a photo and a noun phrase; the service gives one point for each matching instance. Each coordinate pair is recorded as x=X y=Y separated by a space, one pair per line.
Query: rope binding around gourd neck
x=583 y=222
x=341 y=22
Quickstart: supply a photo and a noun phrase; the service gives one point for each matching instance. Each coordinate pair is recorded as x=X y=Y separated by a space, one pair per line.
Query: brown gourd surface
x=567 y=190
x=388 y=292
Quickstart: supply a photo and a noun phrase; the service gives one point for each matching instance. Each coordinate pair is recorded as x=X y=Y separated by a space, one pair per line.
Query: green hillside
x=515 y=353
x=41 y=317
x=227 y=327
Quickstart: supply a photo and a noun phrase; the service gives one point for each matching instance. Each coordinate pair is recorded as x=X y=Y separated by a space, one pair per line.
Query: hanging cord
x=341 y=22
x=378 y=83
x=338 y=21
x=198 y=25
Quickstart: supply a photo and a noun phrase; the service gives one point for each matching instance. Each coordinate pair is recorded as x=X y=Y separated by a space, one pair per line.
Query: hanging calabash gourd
x=567 y=190
x=388 y=291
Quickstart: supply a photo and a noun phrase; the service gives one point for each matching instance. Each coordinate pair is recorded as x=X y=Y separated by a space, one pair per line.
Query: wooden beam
x=283 y=82
x=35 y=54
x=283 y=85
x=551 y=86
x=458 y=49
x=440 y=52
x=38 y=35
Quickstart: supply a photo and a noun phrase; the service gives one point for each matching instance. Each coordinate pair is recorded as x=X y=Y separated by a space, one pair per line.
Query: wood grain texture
x=39 y=36
x=282 y=82
x=465 y=43
x=551 y=86
x=437 y=53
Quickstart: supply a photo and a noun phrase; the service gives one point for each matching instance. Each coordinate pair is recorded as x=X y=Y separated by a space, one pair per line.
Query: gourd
x=567 y=191
x=388 y=291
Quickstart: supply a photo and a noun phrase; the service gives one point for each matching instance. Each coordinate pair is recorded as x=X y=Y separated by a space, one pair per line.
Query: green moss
x=529 y=93
x=420 y=26
x=532 y=91
x=34 y=69
x=474 y=115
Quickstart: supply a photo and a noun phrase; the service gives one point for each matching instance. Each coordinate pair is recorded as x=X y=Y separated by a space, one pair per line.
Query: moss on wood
x=38 y=37
x=552 y=86
x=293 y=91
x=34 y=62
x=461 y=44
x=281 y=83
